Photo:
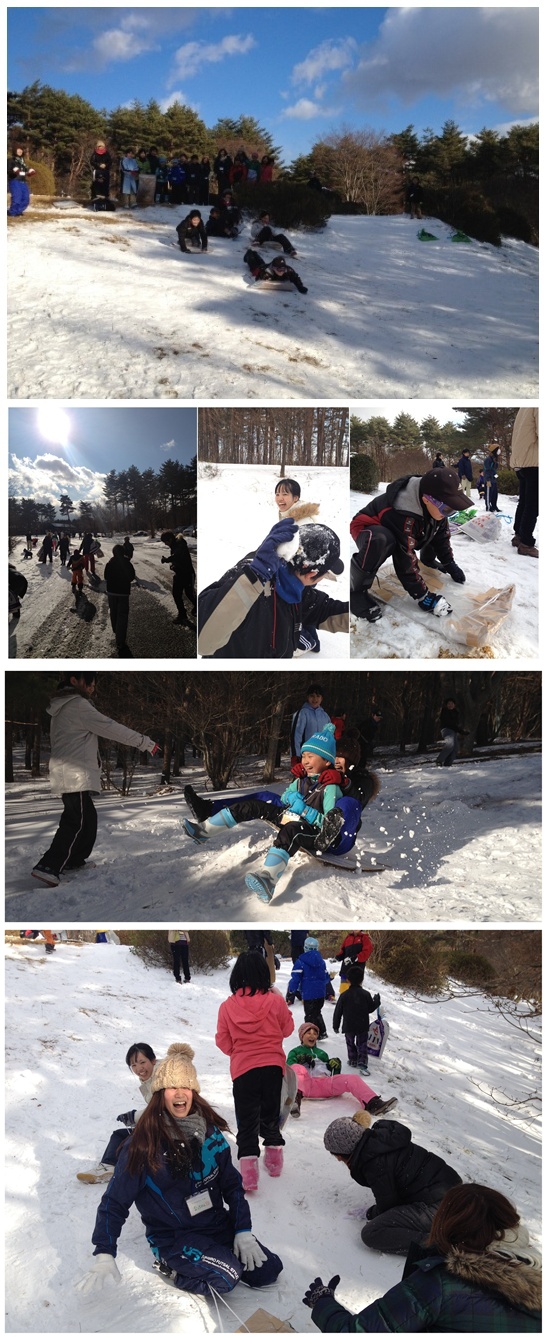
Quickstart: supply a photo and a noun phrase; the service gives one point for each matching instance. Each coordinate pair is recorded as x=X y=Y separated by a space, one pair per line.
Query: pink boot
x=248 y=1166
x=273 y=1161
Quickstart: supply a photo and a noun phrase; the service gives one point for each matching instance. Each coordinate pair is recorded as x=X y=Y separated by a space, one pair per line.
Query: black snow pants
x=395 y=1230
x=257 y=1100
x=267 y=234
x=119 y=617
x=527 y=509
x=293 y=836
x=375 y=544
x=312 y=1011
x=77 y=833
x=181 y=958
x=183 y=585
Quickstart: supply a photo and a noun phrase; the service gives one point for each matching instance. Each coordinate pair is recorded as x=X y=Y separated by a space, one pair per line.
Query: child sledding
x=274 y=271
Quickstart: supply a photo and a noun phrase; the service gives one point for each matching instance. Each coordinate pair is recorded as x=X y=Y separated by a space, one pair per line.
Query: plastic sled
x=423 y=235
x=461 y=236
x=284 y=285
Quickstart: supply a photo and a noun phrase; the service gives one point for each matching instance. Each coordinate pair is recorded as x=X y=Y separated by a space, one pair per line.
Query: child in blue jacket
x=310 y=977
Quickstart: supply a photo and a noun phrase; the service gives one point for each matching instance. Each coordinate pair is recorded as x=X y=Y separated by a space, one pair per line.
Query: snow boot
x=525 y=551
x=200 y=832
x=264 y=883
x=249 y=1170
x=330 y=829
x=377 y=1106
x=43 y=873
x=100 y=1175
x=200 y=807
x=273 y=1161
x=195 y=831
x=296 y=1108
x=364 y=1070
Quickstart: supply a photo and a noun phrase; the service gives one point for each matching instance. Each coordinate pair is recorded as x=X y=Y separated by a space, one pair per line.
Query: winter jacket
x=217 y=227
x=357 y=946
x=222 y=168
x=401 y=511
x=464 y=468
x=187 y=232
x=177 y=935
x=490 y=467
x=439 y=463
x=461 y=1292
x=240 y=617
x=101 y=162
x=305 y=722
x=17 y=168
x=353 y=1008
x=128 y=548
x=266 y=274
x=320 y=792
x=304 y=1053
x=162 y=1199
x=309 y=976
x=193 y=176
x=251 y=1029
x=75 y=727
x=86 y=544
x=231 y=215
x=181 y=562
x=524 y=450
x=449 y=719
x=118 y=574
x=397 y=1170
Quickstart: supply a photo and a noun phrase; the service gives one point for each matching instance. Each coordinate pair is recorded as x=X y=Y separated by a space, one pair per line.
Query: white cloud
x=479 y=55
x=47 y=476
x=169 y=445
x=190 y=57
x=306 y=110
x=117 y=44
x=331 y=55
x=176 y=96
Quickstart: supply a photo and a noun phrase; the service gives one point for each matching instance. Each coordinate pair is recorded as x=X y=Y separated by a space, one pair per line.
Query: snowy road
x=103 y=307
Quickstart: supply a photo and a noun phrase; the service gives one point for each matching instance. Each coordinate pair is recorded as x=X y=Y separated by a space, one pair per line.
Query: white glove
x=104 y=1269
x=247 y=1249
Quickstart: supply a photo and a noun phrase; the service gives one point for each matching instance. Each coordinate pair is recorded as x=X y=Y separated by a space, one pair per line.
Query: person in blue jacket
x=177 y=1169
x=464 y=470
x=490 y=474
x=310 y=978
x=309 y=719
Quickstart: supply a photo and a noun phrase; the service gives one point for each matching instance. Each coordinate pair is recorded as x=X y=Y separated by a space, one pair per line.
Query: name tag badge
x=200 y=1202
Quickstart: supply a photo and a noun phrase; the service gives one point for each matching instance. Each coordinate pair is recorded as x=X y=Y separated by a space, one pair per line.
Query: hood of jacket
x=407 y=496
x=518 y=1283
x=61 y=698
x=248 y=1011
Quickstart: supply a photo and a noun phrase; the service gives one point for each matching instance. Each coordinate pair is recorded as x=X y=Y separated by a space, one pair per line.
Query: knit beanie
x=322 y=744
x=310 y=945
x=305 y=1027
x=343 y=1135
x=176 y=1070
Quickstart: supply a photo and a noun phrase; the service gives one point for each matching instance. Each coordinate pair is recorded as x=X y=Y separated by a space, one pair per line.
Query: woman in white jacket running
x=74 y=772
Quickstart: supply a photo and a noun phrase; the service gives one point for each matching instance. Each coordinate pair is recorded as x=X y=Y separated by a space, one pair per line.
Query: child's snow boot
x=200 y=807
x=330 y=829
x=296 y=1108
x=201 y=831
x=100 y=1175
x=377 y=1106
x=195 y=831
x=264 y=883
x=273 y=1161
x=249 y=1169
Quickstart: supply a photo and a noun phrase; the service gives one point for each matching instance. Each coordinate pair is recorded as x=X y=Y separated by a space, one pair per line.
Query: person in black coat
x=119 y=574
x=217 y=224
x=128 y=548
x=222 y=168
x=464 y=470
x=183 y=578
x=192 y=229
x=204 y=180
x=231 y=215
x=64 y=548
x=450 y=728
x=407 y=520
x=47 y=548
x=439 y=463
x=193 y=179
x=277 y=271
x=407 y=1182
x=352 y=1012
x=101 y=164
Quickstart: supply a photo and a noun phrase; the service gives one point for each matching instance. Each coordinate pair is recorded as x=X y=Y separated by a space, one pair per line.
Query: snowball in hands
x=247 y=1249
x=104 y=1270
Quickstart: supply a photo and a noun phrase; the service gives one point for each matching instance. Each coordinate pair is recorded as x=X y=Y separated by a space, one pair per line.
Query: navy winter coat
x=309 y=976
x=464 y=467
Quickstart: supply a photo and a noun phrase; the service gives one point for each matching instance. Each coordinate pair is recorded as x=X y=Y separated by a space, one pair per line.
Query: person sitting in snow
x=410 y=517
x=407 y=1181
x=231 y=215
x=141 y=1061
x=358 y=788
x=192 y=229
x=320 y=1077
x=300 y=814
x=261 y=232
x=257 y=609
x=178 y=1171
x=277 y=271
x=217 y=224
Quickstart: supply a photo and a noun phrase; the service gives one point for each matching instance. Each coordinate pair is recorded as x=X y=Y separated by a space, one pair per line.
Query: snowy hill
x=103 y=307
x=466 y=844
x=463 y=1077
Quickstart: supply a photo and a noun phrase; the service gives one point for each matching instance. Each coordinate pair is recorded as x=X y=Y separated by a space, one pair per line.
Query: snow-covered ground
x=408 y=633
x=463 y=1076
x=103 y=307
x=466 y=845
x=236 y=507
x=48 y=628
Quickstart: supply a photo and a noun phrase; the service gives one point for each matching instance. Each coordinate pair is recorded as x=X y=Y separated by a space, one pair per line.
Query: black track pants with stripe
x=77 y=833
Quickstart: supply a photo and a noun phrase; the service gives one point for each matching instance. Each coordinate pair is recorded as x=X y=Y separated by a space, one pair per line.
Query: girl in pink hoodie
x=251 y=1027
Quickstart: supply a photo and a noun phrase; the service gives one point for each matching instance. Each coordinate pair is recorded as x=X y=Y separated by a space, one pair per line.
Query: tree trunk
x=9 y=752
x=36 y=758
x=274 y=735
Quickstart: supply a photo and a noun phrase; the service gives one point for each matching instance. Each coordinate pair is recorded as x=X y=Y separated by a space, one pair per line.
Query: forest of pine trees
x=133 y=499
x=407 y=445
x=286 y=437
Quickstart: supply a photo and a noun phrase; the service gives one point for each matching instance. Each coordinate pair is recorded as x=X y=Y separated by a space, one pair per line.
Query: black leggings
x=257 y=1100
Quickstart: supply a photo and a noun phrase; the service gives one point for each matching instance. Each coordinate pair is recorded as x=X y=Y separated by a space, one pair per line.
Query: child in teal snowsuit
x=301 y=812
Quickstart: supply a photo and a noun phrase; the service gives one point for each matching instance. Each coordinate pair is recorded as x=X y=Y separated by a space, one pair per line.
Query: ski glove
x=247 y=1249
x=104 y=1269
x=435 y=603
x=300 y=808
x=128 y=1119
x=451 y=569
x=319 y=1288
x=266 y=560
x=334 y=1066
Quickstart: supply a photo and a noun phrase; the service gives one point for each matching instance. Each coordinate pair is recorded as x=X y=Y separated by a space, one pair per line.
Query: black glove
x=290 y=998
x=165 y=559
x=308 y=1061
x=371 y=1212
x=318 y=1288
x=128 y=1119
x=451 y=569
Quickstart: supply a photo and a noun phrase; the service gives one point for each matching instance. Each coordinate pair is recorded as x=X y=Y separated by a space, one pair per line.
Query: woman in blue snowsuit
x=310 y=978
x=177 y=1169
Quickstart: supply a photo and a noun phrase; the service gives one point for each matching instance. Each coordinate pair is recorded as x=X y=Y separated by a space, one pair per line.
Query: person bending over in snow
x=410 y=516
x=320 y=1078
x=192 y=229
x=407 y=1181
x=257 y=609
x=74 y=771
x=277 y=271
x=178 y=1171
x=251 y=1027
x=299 y=816
x=141 y=1061
x=261 y=231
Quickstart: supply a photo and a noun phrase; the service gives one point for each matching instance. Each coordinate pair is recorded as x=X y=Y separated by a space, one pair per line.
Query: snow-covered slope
x=466 y=845
x=486 y=565
x=103 y=307
x=463 y=1077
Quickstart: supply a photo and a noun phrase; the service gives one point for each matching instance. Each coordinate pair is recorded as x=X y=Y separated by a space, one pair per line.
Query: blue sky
x=55 y=449
x=300 y=72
